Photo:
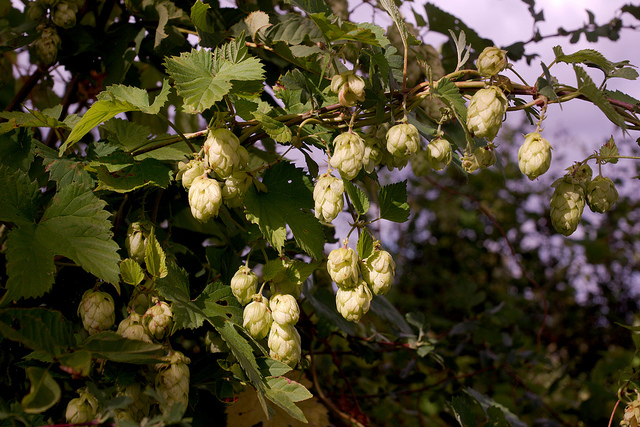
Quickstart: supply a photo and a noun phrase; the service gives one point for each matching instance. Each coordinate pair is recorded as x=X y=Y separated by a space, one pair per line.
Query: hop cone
x=47 y=45
x=243 y=284
x=491 y=61
x=469 y=162
x=485 y=156
x=64 y=16
x=378 y=271
x=354 y=303
x=403 y=140
x=82 y=409
x=567 y=204
x=631 y=416
x=580 y=173
x=205 y=198
x=223 y=152
x=349 y=87
x=187 y=172
x=172 y=381
x=373 y=152
x=284 y=309
x=133 y=329
x=328 y=197
x=158 y=319
x=439 y=153
x=284 y=344
x=348 y=154
x=601 y=194
x=257 y=318
x=534 y=156
x=136 y=240
x=485 y=112
x=235 y=187
x=342 y=265
x=97 y=311
x=140 y=402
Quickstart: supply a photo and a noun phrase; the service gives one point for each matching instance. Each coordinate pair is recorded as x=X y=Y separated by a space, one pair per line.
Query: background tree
x=167 y=222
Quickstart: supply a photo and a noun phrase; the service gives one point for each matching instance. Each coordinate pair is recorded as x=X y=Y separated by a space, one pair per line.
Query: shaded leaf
x=44 y=391
x=154 y=257
x=365 y=244
x=274 y=128
x=140 y=174
x=19 y=196
x=111 y=346
x=39 y=329
x=77 y=226
x=288 y=190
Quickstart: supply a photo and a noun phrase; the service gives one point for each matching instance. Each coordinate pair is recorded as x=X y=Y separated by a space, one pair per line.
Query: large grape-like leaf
x=111 y=346
x=288 y=191
x=30 y=266
x=76 y=225
x=44 y=391
x=113 y=101
x=19 y=196
x=393 y=202
x=39 y=329
x=587 y=87
x=204 y=78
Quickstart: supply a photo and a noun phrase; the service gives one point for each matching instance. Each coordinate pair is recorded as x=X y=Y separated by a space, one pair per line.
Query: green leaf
x=393 y=202
x=39 y=329
x=30 y=267
x=79 y=361
x=271 y=367
x=589 y=57
x=275 y=129
x=44 y=118
x=216 y=300
x=449 y=93
x=77 y=226
x=154 y=257
x=199 y=16
x=16 y=149
x=257 y=22
x=288 y=190
x=284 y=393
x=111 y=346
x=140 y=174
x=383 y=308
x=365 y=244
x=204 y=78
x=44 y=391
x=19 y=196
x=294 y=30
x=407 y=38
x=115 y=100
x=486 y=403
x=358 y=199
x=496 y=418
x=294 y=390
x=243 y=353
x=589 y=89
x=442 y=22
x=335 y=30
x=467 y=411
x=131 y=272
x=62 y=170
x=310 y=6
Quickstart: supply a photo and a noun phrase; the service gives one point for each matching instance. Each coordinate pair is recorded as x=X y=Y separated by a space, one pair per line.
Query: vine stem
x=613 y=413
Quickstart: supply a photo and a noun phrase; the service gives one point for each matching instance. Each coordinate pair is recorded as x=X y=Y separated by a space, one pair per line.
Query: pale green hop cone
x=534 y=156
x=439 y=153
x=601 y=194
x=491 y=61
x=485 y=112
x=567 y=205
